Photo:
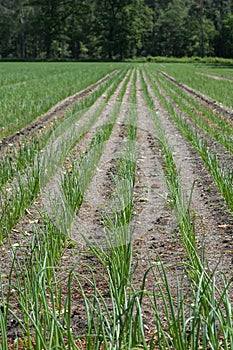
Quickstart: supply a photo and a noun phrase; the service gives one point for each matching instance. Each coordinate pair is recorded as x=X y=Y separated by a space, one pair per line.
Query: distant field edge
x=155 y=59
x=164 y=59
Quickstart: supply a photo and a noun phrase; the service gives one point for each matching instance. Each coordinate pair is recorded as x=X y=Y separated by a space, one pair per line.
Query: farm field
x=210 y=80
x=30 y=89
x=116 y=207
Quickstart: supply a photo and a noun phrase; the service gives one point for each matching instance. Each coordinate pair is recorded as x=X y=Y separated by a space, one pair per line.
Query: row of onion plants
x=200 y=316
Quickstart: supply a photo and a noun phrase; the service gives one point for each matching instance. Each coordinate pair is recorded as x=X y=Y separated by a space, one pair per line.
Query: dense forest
x=115 y=29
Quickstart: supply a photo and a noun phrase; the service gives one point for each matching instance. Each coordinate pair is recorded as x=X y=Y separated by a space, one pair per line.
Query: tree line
x=115 y=29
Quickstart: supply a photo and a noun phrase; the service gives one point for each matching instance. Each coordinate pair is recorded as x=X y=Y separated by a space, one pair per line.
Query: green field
x=190 y=74
x=116 y=214
x=28 y=90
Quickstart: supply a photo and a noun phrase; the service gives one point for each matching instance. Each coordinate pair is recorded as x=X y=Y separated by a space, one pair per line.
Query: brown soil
x=214 y=76
x=156 y=234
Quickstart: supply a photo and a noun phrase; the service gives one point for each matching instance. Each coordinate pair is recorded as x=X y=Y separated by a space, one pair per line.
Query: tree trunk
x=201 y=29
x=22 y=32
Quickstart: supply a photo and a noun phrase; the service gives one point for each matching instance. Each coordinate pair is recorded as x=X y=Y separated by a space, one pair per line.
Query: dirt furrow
x=214 y=76
x=155 y=223
x=155 y=226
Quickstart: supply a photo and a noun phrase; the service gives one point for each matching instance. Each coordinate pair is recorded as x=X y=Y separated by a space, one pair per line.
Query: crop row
x=202 y=283
x=29 y=177
x=221 y=173
x=84 y=172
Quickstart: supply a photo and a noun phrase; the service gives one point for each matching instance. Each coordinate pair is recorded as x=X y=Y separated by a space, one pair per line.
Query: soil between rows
x=214 y=76
x=156 y=233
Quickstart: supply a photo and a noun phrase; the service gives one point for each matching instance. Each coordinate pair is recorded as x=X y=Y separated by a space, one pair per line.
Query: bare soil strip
x=155 y=223
x=155 y=226
x=214 y=76
x=89 y=218
x=214 y=105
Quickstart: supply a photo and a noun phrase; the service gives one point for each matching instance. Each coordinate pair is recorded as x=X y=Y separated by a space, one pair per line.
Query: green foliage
x=84 y=30
x=228 y=35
